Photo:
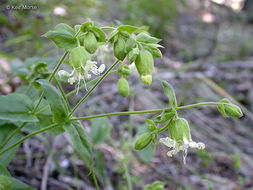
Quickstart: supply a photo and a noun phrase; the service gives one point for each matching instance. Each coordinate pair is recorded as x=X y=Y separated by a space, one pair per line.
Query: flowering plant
x=51 y=111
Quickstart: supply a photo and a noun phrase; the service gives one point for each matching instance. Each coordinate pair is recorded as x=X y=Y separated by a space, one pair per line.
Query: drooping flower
x=82 y=66
x=180 y=138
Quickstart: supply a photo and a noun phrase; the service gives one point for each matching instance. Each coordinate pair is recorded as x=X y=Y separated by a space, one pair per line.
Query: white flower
x=83 y=73
x=180 y=146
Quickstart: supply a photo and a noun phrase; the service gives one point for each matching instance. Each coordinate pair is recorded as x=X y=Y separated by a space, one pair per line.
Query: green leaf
x=145 y=38
x=164 y=116
x=151 y=125
x=45 y=121
x=5 y=130
x=100 y=130
x=80 y=142
x=15 y=183
x=100 y=166
x=63 y=36
x=55 y=101
x=152 y=48
x=100 y=35
x=147 y=153
x=169 y=91
x=16 y=107
x=86 y=26
x=5 y=183
x=127 y=28
x=113 y=34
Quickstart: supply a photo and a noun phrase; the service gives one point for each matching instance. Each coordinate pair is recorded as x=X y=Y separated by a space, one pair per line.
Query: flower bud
x=233 y=110
x=90 y=42
x=123 y=87
x=78 y=58
x=143 y=141
x=130 y=44
x=132 y=55
x=119 y=49
x=145 y=65
x=179 y=130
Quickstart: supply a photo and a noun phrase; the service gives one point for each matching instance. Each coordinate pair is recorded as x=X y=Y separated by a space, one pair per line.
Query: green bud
x=227 y=108
x=119 y=49
x=124 y=71
x=233 y=110
x=132 y=55
x=5 y=183
x=130 y=44
x=123 y=87
x=145 y=65
x=179 y=129
x=78 y=57
x=143 y=141
x=90 y=42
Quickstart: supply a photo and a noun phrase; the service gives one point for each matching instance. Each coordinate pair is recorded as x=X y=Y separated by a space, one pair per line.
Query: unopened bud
x=143 y=141
x=90 y=42
x=123 y=87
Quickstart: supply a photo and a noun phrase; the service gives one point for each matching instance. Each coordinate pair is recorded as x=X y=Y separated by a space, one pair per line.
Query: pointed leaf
x=55 y=101
x=127 y=28
x=16 y=107
x=80 y=142
x=145 y=38
x=169 y=91
x=63 y=36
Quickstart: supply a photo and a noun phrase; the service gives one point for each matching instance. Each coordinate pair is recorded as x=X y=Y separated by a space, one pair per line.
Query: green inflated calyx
x=143 y=141
x=145 y=66
x=123 y=87
x=90 y=42
x=78 y=58
x=119 y=48
x=179 y=130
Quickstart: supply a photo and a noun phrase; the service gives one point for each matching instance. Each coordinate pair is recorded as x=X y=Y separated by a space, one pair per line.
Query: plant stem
x=93 y=88
x=128 y=177
x=75 y=90
x=198 y=104
x=12 y=134
x=62 y=93
x=144 y=111
x=165 y=127
x=94 y=179
x=50 y=79
x=28 y=136
x=117 y=113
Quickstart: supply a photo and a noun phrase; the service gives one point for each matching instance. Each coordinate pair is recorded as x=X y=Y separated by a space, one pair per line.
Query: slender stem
x=107 y=28
x=58 y=66
x=12 y=134
x=27 y=137
x=50 y=79
x=165 y=127
x=93 y=88
x=144 y=111
x=198 y=104
x=95 y=180
x=117 y=113
x=75 y=90
x=128 y=177
x=62 y=93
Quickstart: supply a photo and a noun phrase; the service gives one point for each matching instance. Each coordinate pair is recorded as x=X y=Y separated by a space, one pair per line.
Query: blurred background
x=208 y=55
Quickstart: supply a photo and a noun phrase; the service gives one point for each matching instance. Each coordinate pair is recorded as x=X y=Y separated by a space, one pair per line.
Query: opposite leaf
x=80 y=142
x=169 y=91
x=62 y=36
x=55 y=101
x=16 y=107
